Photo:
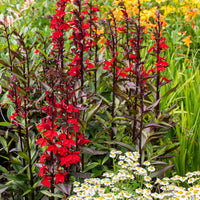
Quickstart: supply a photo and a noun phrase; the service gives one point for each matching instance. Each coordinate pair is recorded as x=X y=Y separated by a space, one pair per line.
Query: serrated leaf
x=16 y=161
x=49 y=194
x=154 y=125
x=15 y=54
x=19 y=177
x=154 y=104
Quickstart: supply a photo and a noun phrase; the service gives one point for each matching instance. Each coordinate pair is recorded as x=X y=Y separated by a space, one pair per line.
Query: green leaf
x=19 y=177
x=49 y=194
x=6 y=158
x=161 y=171
x=93 y=152
x=169 y=92
x=23 y=169
x=123 y=144
x=106 y=158
x=10 y=111
x=5 y=124
x=27 y=191
x=100 y=133
x=23 y=155
x=4 y=144
x=4 y=63
x=91 y=111
x=4 y=170
x=93 y=165
x=3 y=189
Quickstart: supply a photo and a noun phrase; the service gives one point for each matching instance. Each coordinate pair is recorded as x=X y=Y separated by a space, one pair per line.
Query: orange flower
x=102 y=40
x=187 y=41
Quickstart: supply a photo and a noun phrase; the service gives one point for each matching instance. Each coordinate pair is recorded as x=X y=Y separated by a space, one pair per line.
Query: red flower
x=52 y=148
x=164 y=79
x=60 y=13
x=43 y=170
x=50 y=134
x=47 y=156
x=42 y=142
x=46 y=181
x=152 y=48
x=14 y=115
x=60 y=177
x=72 y=158
x=37 y=51
x=161 y=64
x=88 y=64
x=106 y=67
x=122 y=74
x=81 y=140
x=69 y=142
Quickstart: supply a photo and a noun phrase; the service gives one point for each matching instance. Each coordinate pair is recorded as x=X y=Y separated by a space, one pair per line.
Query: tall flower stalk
x=60 y=128
x=161 y=64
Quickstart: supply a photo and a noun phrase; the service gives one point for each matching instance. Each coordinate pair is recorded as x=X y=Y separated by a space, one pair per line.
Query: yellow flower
x=187 y=40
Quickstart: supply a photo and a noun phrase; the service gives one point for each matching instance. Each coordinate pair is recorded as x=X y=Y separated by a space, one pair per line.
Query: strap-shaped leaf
x=4 y=63
x=91 y=111
x=65 y=188
x=123 y=144
x=49 y=194
x=161 y=171
x=93 y=152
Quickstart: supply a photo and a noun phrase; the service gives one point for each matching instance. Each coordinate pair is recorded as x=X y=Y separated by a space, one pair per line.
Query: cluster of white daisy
x=130 y=181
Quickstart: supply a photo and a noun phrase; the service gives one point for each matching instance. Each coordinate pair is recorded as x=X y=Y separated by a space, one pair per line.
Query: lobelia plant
x=60 y=128
x=21 y=178
x=135 y=91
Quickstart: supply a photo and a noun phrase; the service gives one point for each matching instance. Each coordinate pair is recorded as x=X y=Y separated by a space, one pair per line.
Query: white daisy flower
x=146 y=163
x=151 y=169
